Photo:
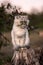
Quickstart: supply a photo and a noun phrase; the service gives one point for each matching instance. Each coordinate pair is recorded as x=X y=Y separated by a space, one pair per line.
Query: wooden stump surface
x=25 y=56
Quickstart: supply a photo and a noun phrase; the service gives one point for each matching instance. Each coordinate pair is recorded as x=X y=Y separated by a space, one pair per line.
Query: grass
x=1 y=61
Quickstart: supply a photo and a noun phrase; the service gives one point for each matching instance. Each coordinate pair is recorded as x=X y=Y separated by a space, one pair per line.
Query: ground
x=6 y=52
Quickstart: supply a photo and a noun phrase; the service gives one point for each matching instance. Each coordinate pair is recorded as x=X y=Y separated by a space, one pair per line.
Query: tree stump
x=25 y=56
x=41 y=57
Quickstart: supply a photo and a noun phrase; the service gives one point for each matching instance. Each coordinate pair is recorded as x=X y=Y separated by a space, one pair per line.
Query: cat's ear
x=27 y=22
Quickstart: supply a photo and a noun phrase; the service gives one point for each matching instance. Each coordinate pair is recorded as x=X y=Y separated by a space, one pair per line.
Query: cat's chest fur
x=19 y=32
x=20 y=40
x=19 y=36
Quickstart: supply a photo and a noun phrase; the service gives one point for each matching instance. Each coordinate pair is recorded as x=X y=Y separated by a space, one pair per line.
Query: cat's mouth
x=22 y=26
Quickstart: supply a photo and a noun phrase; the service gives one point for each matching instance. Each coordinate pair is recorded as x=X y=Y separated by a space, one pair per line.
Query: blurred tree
x=6 y=19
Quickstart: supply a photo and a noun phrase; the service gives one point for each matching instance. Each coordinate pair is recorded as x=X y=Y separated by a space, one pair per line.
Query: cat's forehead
x=21 y=17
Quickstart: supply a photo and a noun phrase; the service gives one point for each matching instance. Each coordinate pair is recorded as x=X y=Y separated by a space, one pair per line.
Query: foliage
x=6 y=19
x=36 y=19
